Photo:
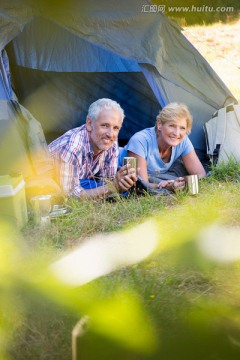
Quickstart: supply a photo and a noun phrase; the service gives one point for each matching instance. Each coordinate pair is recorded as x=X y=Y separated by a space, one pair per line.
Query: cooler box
x=12 y=199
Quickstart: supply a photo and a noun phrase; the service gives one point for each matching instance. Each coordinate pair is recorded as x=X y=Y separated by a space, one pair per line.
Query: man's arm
x=99 y=192
x=69 y=181
x=69 y=178
x=124 y=179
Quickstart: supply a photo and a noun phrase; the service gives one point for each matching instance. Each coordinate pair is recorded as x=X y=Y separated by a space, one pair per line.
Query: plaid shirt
x=73 y=159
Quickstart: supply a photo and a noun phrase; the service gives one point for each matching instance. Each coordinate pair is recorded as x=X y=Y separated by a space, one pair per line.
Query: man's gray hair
x=97 y=106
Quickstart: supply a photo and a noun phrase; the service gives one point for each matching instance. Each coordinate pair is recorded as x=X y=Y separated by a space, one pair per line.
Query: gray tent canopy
x=65 y=55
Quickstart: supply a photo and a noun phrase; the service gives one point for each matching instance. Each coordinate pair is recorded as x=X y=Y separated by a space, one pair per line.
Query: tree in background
x=200 y=11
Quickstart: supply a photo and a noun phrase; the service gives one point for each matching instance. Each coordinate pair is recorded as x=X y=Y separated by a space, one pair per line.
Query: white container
x=12 y=199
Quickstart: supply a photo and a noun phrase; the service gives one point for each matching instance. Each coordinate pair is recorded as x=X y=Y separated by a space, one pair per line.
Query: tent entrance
x=59 y=101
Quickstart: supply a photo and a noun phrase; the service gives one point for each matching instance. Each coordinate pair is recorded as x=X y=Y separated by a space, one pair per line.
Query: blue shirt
x=144 y=143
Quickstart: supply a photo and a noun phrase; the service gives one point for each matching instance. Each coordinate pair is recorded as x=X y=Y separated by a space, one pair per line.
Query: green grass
x=226 y=171
x=90 y=217
x=192 y=302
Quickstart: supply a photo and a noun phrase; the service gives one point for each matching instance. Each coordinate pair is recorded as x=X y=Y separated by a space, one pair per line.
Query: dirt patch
x=220 y=45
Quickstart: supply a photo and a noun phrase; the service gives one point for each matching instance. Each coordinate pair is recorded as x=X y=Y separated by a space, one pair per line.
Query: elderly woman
x=164 y=152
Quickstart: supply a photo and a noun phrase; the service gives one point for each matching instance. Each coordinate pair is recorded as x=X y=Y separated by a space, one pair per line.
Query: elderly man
x=86 y=157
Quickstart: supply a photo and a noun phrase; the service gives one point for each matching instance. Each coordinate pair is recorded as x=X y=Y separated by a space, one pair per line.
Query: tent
x=64 y=55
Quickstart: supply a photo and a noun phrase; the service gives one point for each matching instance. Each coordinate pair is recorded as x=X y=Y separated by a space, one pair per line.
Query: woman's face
x=172 y=132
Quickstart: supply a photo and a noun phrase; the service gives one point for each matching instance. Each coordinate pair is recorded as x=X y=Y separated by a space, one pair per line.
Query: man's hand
x=125 y=178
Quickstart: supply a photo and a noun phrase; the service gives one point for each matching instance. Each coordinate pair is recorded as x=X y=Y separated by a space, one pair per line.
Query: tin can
x=131 y=162
x=41 y=207
x=191 y=183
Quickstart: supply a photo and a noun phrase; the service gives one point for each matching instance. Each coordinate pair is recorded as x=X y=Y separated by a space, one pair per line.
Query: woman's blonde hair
x=175 y=111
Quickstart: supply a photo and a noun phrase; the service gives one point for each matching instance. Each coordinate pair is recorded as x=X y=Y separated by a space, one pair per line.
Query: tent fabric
x=65 y=55
x=123 y=30
x=222 y=134
x=13 y=144
x=5 y=82
x=33 y=53
x=23 y=147
x=22 y=142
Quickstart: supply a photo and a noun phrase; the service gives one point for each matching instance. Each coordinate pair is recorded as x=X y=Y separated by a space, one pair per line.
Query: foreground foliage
x=183 y=299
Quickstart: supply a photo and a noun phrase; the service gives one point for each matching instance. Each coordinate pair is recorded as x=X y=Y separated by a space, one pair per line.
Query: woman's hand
x=173 y=185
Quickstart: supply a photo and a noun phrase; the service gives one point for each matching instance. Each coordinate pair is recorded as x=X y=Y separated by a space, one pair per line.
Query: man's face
x=103 y=132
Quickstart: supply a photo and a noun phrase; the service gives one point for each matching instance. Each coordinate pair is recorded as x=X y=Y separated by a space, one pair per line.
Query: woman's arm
x=142 y=169
x=141 y=164
x=193 y=164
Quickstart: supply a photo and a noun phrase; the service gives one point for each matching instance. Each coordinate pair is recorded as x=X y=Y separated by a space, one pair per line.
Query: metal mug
x=131 y=162
x=41 y=207
x=191 y=184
